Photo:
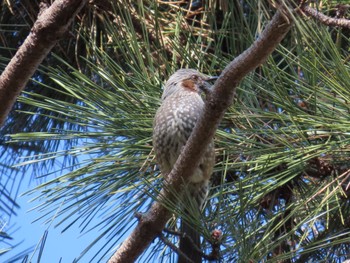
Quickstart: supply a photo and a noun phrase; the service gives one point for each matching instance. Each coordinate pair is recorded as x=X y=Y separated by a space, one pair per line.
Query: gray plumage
x=175 y=119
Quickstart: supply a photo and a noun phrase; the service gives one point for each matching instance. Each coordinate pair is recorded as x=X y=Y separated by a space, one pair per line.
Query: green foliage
x=280 y=187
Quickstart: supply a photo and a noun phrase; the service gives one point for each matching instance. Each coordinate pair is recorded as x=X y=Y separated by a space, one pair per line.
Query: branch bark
x=51 y=25
x=152 y=223
x=329 y=21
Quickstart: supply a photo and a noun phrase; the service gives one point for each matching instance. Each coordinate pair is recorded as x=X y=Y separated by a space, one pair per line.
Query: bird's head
x=188 y=79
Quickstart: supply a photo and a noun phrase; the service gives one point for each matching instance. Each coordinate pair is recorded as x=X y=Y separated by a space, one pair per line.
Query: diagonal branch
x=327 y=20
x=51 y=25
x=151 y=224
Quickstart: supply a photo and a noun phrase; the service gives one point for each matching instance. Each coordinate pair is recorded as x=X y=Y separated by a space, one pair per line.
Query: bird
x=181 y=106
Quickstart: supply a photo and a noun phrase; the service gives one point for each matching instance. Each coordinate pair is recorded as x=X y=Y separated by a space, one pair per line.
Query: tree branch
x=174 y=248
x=329 y=21
x=151 y=224
x=51 y=25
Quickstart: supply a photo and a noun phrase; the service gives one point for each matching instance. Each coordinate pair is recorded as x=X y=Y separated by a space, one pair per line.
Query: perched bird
x=175 y=119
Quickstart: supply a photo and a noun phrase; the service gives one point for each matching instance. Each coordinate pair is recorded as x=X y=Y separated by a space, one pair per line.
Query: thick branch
x=329 y=21
x=221 y=98
x=51 y=25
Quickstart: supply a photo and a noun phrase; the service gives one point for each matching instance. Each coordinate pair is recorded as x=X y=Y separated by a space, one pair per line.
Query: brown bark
x=51 y=25
x=326 y=20
x=151 y=224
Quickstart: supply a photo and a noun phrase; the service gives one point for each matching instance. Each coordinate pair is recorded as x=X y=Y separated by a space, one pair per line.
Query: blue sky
x=59 y=247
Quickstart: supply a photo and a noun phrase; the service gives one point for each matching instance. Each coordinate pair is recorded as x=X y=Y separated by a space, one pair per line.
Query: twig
x=215 y=243
x=184 y=235
x=172 y=232
x=174 y=248
x=327 y=20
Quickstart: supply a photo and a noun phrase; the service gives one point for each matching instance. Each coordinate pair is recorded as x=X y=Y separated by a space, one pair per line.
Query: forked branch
x=151 y=224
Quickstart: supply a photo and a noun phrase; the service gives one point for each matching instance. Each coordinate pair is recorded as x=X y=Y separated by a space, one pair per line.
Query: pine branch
x=174 y=248
x=327 y=20
x=151 y=224
x=52 y=24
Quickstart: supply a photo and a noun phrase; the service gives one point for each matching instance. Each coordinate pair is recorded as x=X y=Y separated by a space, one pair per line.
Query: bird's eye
x=194 y=77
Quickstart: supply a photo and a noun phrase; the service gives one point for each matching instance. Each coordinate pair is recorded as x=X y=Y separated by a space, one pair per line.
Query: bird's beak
x=212 y=78
x=206 y=85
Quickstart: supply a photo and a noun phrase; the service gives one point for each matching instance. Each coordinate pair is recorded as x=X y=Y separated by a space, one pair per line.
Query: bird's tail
x=189 y=243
